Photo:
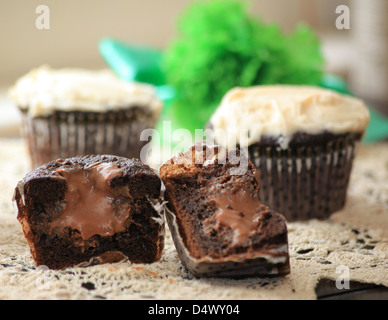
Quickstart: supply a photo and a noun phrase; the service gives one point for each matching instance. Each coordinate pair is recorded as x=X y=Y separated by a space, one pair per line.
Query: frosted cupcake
x=301 y=138
x=69 y=112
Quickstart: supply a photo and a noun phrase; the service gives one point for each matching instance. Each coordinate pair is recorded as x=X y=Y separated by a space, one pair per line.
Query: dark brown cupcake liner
x=69 y=134
x=234 y=266
x=307 y=180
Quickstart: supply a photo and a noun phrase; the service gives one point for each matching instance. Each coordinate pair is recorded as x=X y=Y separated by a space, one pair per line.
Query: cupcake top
x=44 y=90
x=245 y=115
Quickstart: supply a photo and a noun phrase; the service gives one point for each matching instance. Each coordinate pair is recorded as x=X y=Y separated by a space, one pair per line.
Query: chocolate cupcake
x=71 y=112
x=92 y=208
x=219 y=226
x=302 y=139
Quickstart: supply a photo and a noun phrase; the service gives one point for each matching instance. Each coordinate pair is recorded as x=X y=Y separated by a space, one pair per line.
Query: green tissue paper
x=219 y=46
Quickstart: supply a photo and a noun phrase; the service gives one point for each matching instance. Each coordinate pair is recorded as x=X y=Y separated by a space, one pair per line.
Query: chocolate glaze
x=89 y=201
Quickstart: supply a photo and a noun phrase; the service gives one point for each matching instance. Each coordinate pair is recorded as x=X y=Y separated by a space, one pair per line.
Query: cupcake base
x=307 y=180
x=69 y=134
x=235 y=266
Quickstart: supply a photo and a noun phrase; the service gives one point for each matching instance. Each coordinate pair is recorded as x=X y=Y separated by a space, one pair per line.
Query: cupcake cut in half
x=219 y=226
x=69 y=112
x=105 y=207
x=302 y=139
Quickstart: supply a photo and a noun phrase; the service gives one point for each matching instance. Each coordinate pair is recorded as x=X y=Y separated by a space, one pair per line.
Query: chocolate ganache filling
x=241 y=212
x=92 y=206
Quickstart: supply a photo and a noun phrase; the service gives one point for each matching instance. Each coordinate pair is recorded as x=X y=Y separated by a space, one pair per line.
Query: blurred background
x=359 y=54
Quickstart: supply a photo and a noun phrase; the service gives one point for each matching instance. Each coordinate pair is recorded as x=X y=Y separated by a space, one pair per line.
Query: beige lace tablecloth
x=353 y=243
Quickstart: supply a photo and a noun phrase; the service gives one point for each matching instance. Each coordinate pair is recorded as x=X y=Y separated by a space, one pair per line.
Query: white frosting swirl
x=282 y=110
x=44 y=90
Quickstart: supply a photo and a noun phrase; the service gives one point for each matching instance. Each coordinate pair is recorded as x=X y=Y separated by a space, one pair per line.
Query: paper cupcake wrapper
x=305 y=182
x=236 y=266
x=68 y=134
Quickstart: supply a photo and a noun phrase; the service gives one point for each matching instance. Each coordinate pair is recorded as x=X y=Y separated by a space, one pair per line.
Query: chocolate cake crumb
x=219 y=226
x=72 y=210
